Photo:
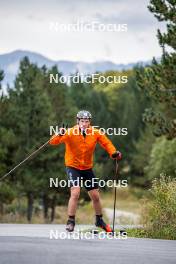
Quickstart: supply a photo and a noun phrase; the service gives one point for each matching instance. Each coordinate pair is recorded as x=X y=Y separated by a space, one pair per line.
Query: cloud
x=25 y=25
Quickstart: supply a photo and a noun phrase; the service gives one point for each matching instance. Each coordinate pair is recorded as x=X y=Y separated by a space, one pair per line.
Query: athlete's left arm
x=106 y=144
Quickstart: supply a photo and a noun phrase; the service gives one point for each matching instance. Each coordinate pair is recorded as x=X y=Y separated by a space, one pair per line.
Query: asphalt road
x=31 y=244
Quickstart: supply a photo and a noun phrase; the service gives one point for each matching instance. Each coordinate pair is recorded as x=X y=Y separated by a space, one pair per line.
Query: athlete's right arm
x=57 y=139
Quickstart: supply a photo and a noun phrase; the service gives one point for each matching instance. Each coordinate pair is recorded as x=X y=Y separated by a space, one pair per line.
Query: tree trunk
x=1 y=209
x=53 y=206
x=45 y=206
x=30 y=206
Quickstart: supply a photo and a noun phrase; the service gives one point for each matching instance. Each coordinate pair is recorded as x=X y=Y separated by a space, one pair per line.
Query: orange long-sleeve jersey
x=79 y=149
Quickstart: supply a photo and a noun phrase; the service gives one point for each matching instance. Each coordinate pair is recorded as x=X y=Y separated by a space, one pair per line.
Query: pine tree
x=7 y=192
x=159 y=79
x=30 y=118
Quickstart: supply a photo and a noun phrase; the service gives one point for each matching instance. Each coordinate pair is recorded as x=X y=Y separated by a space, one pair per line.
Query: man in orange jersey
x=80 y=142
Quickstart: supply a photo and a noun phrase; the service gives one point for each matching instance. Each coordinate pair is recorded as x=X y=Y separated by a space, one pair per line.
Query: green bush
x=159 y=215
x=162 y=158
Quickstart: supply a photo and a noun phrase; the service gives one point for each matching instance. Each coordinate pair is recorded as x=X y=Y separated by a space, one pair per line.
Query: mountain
x=9 y=63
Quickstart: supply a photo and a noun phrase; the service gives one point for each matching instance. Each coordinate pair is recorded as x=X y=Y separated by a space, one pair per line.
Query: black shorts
x=82 y=178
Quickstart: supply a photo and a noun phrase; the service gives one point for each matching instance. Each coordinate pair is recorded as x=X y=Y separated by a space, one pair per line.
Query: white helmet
x=83 y=114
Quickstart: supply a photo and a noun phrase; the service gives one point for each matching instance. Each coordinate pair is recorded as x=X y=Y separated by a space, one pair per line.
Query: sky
x=26 y=25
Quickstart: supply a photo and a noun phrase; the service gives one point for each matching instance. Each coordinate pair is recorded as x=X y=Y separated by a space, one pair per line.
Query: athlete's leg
x=73 y=201
x=72 y=205
x=95 y=197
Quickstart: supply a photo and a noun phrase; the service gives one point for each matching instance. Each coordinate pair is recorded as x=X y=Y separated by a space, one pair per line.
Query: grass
x=126 y=200
x=136 y=232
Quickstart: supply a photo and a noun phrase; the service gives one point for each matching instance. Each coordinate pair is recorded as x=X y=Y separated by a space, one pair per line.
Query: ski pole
x=32 y=154
x=115 y=194
x=17 y=166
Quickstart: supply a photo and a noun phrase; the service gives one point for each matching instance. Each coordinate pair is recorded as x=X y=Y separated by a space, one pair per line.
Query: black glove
x=117 y=155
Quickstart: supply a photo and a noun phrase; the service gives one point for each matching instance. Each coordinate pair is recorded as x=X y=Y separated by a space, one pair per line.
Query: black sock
x=99 y=216
x=72 y=217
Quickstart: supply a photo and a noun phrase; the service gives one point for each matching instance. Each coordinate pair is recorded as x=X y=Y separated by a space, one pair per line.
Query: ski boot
x=100 y=223
x=70 y=225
